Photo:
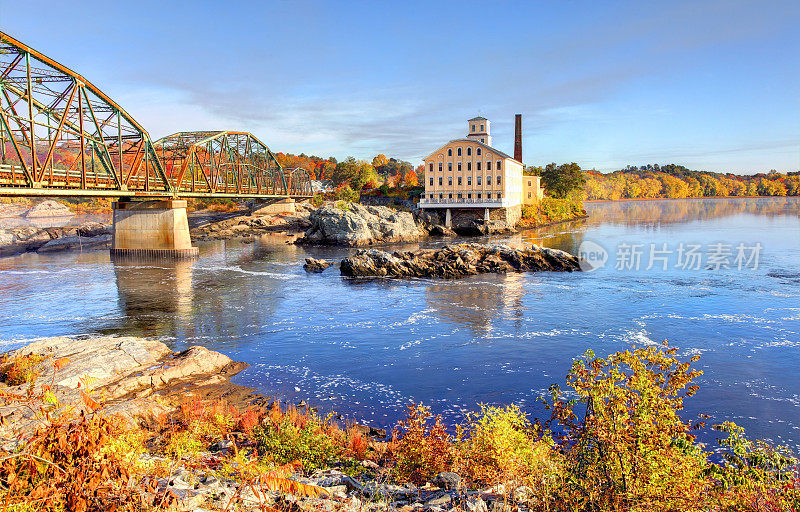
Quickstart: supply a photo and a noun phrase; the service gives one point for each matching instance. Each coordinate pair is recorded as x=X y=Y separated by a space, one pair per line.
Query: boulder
x=447 y=480
x=316 y=266
x=48 y=208
x=439 y=230
x=76 y=242
x=457 y=260
x=91 y=229
x=357 y=225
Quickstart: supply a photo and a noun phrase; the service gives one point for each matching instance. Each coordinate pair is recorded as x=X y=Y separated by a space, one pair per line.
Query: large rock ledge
x=132 y=377
x=457 y=260
x=357 y=225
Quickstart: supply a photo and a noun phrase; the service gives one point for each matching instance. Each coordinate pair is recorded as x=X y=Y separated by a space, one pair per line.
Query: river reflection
x=368 y=348
x=687 y=210
x=155 y=296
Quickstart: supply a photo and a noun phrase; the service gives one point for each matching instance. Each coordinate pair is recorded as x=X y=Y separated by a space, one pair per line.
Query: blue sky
x=713 y=85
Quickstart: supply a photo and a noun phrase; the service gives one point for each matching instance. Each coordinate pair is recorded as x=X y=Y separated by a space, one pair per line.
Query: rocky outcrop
x=73 y=242
x=316 y=266
x=457 y=260
x=133 y=377
x=357 y=225
x=28 y=238
x=249 y=226
x=49 y=208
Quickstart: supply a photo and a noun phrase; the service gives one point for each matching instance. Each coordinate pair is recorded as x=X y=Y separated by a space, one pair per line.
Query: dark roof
x=490 y=148
x=479 y=118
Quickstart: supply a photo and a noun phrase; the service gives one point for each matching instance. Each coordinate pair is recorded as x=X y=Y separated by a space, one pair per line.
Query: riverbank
x=96 y=445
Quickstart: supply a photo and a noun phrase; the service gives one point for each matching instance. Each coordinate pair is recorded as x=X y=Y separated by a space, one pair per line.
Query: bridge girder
x=224 y=162
x=61 y=135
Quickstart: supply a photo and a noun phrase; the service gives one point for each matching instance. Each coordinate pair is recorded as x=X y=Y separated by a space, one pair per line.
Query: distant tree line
x=381 y=176
x=660 y=181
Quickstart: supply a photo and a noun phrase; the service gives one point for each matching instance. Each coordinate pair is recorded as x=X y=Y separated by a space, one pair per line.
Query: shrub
x=631 y=447
x=65 y=466
x=20 y=370
x=420 y=450
x=550 y=210
x=755 y=473
x=297 y=436
x=317 y=200
x=345 y=193
x=503 y=447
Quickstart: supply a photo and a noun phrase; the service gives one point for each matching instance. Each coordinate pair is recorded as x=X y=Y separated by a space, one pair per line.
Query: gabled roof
x=479 y=118
x=486 y=146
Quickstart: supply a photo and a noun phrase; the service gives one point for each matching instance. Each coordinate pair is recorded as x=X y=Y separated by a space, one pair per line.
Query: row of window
x=469 y=180
x=473 y=127
x=469 y=166
x=458 y=151
x=499 y=195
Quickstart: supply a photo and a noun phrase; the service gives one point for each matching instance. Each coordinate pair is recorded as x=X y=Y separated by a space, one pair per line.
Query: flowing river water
x=367 y=348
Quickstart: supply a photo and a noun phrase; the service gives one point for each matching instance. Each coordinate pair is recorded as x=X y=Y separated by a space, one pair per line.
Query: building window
x=529 y=183
x=450 y=166
x=481 y=127
x=479 y=195
x=459 y=180
x=469 y=181
x=440 y=166
x=459 y=151
x=478 y=164
x=431 y=196
x=489 y=165
x=499 y=195
x=450 y=181
x=489 y=179
x=469 y=195
x=478 y=151
x=498 y=179
x=529 y=195
x=440 y=195
x=459 y=166
x=440 y=181
x=489 y=195
x=449 y=151
x=431 y=167
x=459 y=195
x=478 y=178
x=499 y=167
x=483 y=140
x=473 y=127
x=469 y=151
x=431 y=181
x=450 y=196
x=469 y=166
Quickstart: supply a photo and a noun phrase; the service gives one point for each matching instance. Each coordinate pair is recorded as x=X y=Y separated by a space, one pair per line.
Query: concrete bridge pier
x=272 y=206
x=157 y=228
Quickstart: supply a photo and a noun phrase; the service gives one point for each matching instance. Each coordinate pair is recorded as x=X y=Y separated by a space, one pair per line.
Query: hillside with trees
x=677 y=182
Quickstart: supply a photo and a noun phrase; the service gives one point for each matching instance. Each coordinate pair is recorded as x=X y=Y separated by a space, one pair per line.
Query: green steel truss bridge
x=62 y=136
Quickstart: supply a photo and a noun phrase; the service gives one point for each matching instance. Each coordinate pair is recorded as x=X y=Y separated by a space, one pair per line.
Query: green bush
x=345 y=193
x=296 y=437
x=551 y=209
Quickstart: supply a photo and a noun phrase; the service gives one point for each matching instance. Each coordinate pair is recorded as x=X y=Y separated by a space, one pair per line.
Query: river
x=367 y=348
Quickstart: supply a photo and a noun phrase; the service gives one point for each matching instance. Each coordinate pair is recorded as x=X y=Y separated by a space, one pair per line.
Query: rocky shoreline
x=138 y=380
x=89 y=235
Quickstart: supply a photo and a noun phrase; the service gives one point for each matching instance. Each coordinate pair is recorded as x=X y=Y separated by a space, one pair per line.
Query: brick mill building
x=468 y=178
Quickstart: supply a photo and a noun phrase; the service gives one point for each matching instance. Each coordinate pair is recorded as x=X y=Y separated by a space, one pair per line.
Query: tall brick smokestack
x=518 y=137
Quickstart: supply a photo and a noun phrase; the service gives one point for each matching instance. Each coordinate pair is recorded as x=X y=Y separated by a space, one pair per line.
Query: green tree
x=559 y=180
